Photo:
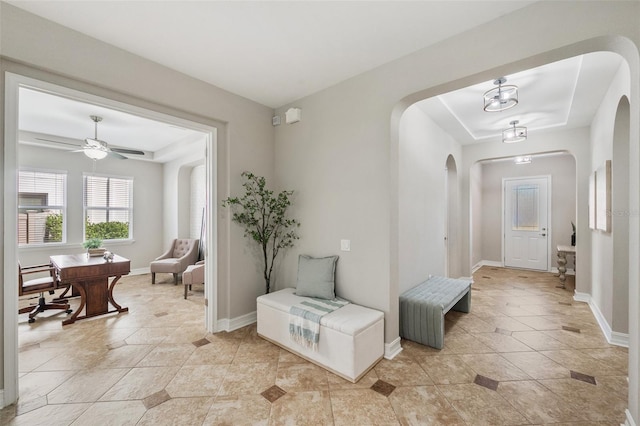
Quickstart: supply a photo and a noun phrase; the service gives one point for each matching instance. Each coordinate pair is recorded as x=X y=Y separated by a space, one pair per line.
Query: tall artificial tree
x=264 y=218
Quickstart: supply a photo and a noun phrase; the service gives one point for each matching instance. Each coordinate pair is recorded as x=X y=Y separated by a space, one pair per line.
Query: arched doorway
x=620 y=223
x=452 y=259
x=466 y=168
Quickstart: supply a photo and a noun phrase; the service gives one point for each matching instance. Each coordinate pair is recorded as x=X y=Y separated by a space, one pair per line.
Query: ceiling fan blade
x=54 y=141
x=116 y=155
x=127 y=151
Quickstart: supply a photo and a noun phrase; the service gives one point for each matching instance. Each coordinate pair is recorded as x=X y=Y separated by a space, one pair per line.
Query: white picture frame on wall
x=603 y=197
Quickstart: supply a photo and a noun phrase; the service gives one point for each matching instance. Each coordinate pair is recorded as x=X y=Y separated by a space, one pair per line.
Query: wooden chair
x=39 y=285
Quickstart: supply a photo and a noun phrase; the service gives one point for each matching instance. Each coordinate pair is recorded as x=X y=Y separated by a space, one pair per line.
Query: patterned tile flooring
x=526 y=354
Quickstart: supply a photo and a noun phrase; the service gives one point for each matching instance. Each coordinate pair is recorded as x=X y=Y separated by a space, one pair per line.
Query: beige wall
x=561 y=168
x=604 y=243
x=476 y=213
x=424 y=149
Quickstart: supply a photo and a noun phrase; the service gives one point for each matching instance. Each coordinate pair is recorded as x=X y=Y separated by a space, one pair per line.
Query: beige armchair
x=182 y=253
x=193 y=275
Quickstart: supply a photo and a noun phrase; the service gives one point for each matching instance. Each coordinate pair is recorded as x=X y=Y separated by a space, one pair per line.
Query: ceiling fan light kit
x=94 y=153
x=96 y=149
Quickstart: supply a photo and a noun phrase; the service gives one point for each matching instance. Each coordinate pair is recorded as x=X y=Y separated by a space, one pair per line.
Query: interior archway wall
x=581 y=152
x=620 y=215
x=425 y=186
x=453 y=219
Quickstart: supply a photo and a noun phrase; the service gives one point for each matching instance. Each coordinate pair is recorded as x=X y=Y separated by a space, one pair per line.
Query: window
x=41 y=207
x=108 y=207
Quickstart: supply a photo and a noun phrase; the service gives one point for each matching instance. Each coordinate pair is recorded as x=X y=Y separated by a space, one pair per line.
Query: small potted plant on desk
x=93 y=247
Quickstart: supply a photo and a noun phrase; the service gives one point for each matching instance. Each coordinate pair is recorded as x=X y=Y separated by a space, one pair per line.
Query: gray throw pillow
x=316 y=276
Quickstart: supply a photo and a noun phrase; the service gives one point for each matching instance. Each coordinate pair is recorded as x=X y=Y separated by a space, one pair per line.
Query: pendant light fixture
x=502 y=97
x=514 y=133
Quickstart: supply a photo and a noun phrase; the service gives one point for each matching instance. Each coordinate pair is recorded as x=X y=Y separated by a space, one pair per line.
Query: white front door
x=526 y=223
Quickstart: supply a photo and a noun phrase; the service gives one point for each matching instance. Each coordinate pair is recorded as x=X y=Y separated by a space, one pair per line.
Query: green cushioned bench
x=422 y=308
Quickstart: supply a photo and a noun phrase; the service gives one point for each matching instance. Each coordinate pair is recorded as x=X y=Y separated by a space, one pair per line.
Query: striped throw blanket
x=304 y=319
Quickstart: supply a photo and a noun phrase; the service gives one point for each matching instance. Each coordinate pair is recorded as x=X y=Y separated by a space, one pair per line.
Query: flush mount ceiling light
x=514 y=133
x=500 y=98
x=523 y=160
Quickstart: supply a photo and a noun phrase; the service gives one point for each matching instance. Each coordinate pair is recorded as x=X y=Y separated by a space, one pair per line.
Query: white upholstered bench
x=351 y=338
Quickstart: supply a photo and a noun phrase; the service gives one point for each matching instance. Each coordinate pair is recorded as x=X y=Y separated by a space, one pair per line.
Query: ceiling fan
x=97 y=149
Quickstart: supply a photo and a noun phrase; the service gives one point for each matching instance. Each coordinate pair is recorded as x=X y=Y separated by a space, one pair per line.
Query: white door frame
x=13 y=82
x=549 y=227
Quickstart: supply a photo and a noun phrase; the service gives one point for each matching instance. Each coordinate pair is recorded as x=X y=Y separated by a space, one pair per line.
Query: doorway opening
x=13 y=85
x=452 y=259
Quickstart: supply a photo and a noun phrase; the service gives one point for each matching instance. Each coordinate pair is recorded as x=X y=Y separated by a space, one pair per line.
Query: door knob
x=544 y=235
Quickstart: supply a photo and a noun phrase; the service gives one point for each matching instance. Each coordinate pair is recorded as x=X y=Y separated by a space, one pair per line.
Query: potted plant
x=93 y=247
x=264 y=218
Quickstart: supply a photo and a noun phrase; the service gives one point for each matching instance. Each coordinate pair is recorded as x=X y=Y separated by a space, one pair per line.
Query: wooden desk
x=563 y=251
x=90 y=277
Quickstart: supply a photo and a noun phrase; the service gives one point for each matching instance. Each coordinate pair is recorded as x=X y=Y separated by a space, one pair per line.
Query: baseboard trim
x=613 y=338
x=140 y=271
x=602 y=322
x=629 y=420
x=620 y=339
x=482 y=263
x=392 y=349
x=582 y=297
x=231 y=324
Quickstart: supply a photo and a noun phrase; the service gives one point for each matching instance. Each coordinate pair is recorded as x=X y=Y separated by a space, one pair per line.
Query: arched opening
x=582 y=154
x=452 y=258
x=428 y=200
x=620 y=222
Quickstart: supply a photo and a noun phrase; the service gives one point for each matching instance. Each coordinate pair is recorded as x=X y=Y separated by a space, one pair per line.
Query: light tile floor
x=526 y=354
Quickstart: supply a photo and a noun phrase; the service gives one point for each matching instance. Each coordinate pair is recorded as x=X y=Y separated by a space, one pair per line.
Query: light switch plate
x=345 y=245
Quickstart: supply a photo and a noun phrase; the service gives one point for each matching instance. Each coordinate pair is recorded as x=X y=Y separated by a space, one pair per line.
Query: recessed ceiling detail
x=566 y=93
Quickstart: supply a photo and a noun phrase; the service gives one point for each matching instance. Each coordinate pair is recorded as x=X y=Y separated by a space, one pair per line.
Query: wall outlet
x=345 y=245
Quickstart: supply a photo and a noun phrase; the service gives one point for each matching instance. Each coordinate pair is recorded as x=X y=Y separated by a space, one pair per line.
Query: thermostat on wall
x=292 y=115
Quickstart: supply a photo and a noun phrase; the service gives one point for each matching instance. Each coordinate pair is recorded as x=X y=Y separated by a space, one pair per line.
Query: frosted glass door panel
x=525 y=206
x=526 y=242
